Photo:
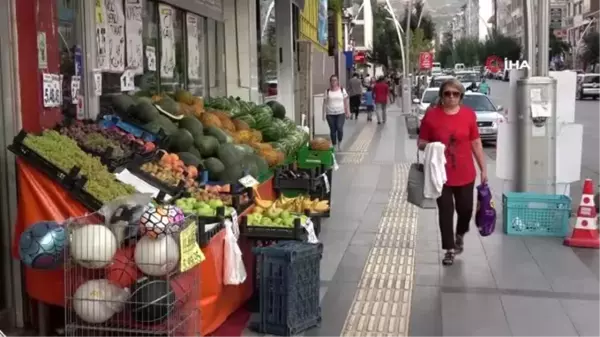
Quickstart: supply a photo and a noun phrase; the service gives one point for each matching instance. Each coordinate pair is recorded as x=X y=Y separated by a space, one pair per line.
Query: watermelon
x=275 y=131
x=248 y=119
x=263 y=118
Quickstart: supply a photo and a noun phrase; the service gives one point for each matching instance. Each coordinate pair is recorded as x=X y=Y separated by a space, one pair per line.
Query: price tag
x=97 y=83
x=75 y=89
x=151 y=58
x=248 y=181
x=234 y=224
x=310 y=229
x=189 y=251
x=48 y=90
x=127 y=83
x=58 y=80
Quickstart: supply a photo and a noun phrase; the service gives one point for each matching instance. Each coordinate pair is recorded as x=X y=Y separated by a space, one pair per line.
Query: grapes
x=64 y=152
x=95 y=139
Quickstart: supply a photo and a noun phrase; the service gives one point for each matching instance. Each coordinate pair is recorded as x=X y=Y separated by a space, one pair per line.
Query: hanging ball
x=42 y=245
x=123 y=271
x=157 y=257
x=96 y=301
x=159 y=221
x=151 y=301
x=93 y=246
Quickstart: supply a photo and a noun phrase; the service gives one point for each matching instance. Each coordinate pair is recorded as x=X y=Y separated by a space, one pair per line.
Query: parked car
x=588 y=85
x=428 y=97
x=489 y=116
x=468 y=77
x=436 y=81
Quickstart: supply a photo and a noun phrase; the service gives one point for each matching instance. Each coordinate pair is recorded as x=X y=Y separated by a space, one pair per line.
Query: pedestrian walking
x=335 y=110
x=355 y=91
x=380 y=94
x=454 y=125
x=370 y=104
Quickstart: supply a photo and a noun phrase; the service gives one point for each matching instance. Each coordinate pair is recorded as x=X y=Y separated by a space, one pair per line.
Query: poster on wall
x=115 y=35
x=193 y=26
x=101 y=52
x=134 y=30
x=167 y=39
x=322 y=24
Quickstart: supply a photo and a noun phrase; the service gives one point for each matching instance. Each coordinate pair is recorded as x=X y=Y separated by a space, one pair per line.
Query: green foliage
x=418 y=44
x=557 y=47
x=590 y=49
x=471 y=51
x=426 y=23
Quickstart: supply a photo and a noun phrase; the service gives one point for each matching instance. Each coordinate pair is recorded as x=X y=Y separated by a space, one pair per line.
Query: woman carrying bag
x=455 y=126
x=336 y=108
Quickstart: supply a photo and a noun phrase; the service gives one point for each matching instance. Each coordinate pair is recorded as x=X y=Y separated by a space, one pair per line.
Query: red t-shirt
x=457 y=132
x=380 y=92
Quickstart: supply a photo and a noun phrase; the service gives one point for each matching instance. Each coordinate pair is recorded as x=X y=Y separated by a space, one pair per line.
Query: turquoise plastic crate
x=536 y=214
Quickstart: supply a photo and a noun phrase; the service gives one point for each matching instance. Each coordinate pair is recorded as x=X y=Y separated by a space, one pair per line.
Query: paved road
x=587 y=113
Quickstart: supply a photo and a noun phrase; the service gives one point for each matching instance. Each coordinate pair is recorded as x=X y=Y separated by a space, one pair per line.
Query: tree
x=386 y=46
x=418 y=44
x=467 y=51
x=426 y=22
x=557 y=47
x=471 y=51
x=590 y=49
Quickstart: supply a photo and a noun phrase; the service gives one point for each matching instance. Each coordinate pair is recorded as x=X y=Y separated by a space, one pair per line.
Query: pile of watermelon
x=270 y=119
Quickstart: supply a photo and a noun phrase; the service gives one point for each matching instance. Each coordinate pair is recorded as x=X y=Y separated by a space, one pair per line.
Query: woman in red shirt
x=454 y=125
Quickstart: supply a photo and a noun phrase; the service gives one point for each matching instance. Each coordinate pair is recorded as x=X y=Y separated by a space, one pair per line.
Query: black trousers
x=355 y=101
x=459 y=198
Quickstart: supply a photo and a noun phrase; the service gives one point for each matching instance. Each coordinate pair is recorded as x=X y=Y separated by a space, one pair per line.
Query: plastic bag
x=234 y=271
x=485 y=217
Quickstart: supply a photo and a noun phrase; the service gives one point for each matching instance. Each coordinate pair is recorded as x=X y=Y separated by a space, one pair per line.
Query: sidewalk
x=381 y=273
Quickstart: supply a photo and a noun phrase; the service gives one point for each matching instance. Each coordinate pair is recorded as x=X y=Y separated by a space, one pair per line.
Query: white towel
x=435 y=170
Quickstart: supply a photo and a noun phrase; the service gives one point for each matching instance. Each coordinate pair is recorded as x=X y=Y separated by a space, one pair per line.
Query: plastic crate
x=308 y=158
x=536 y=214
x=135 y=167
x=289 y=284
x=271 y=232
x=308 y=184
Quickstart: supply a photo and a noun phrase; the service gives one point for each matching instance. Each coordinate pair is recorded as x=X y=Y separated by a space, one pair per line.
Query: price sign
x=190 y=252
x=47 y=89
x=151 y=58
x=248 y=181
x=75 y=89
x=127 y=83
x=97 y=83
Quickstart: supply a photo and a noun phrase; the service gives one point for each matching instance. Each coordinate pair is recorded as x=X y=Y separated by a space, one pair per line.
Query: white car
x=436 y=81
x=489 y=116
x=468 y=77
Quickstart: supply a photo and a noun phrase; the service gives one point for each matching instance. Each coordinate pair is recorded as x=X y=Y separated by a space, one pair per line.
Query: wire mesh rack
x=139 y=279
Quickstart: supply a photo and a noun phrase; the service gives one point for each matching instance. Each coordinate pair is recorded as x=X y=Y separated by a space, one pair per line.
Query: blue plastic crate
x=289 y=284
x=536 y=214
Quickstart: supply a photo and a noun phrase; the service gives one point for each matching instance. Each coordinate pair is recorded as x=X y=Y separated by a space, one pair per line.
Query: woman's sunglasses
x=451 y=94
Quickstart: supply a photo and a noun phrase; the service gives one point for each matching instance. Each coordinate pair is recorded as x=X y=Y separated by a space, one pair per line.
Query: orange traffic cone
x=585 y=234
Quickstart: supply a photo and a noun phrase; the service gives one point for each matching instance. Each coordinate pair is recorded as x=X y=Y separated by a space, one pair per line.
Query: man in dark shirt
x=355 y=91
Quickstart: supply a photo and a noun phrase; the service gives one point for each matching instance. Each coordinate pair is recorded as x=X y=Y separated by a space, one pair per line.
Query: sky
x=485 y=11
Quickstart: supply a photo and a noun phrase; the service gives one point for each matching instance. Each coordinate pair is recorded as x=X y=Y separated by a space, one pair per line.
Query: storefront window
x=211 y=37
x=148 y=80
x=267 y=48
x=221 y=60
x=196 y=46
x=172 y=56
x=71 y=56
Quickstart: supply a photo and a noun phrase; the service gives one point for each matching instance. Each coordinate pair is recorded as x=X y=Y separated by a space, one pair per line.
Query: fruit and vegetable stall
x=148 y=214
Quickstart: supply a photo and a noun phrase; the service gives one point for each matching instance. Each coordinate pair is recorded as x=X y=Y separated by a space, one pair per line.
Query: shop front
x=74 y=57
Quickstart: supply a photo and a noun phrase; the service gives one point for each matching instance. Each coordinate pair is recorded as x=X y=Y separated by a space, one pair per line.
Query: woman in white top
x=336 y=110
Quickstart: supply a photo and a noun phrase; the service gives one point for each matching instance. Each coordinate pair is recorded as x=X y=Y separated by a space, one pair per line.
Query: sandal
x=448 y=259
x=459 y=243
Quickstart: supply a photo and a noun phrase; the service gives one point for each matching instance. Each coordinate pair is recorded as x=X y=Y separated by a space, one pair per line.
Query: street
x=587 y=113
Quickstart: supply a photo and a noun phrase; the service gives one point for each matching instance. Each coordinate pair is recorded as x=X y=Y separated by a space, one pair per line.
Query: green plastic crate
x=308 y=158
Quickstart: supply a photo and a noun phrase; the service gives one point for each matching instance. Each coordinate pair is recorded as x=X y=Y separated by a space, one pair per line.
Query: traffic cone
x=585 y=234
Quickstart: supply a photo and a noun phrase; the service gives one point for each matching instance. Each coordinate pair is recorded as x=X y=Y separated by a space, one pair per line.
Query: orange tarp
x=41 y=199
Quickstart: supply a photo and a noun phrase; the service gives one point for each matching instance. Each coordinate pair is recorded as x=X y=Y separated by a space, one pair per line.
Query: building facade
x=582 y=17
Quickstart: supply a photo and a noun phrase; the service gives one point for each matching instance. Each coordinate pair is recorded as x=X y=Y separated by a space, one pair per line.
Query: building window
x=173 y=65
x=267 y=48
x=70 y=53
x=197 y=48
x=148 y=81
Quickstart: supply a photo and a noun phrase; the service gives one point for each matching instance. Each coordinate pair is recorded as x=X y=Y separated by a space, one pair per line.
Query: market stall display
x=212 y=161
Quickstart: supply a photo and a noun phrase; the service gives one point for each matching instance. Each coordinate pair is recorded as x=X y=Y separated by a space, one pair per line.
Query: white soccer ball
x=93 y=246
x=157 y=257
x=96 y=301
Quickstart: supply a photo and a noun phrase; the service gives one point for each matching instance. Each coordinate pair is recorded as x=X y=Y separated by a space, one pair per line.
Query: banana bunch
x=295 y=205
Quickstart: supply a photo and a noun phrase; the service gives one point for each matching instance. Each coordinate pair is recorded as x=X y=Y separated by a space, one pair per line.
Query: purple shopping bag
x=485 y=217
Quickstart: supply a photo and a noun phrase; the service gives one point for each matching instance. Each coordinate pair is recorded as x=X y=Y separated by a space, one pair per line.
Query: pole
x=406 y=82
x=543 y=37
x=495 y=16
x=522 y=143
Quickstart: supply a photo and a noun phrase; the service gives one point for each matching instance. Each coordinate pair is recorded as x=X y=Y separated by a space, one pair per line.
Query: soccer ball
x=161 y=220
x=42 y=245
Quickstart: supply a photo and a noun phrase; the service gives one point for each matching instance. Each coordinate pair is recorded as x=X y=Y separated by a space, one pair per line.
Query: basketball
x=96 y=301
x=151 y=301
x=93 y=246
x=182 y=286
x=122 y=271
x=159 y=221
x=157 y=257
x=42 y=245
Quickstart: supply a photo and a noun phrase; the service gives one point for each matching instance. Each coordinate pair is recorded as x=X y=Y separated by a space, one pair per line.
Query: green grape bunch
x=64 y=152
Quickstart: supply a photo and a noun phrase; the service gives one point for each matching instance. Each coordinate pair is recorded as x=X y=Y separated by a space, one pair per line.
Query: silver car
x=588 y=85
x=489 y=116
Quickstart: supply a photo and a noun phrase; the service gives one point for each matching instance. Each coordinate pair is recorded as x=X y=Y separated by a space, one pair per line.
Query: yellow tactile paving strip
x=381 y=306
x=355 y=154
